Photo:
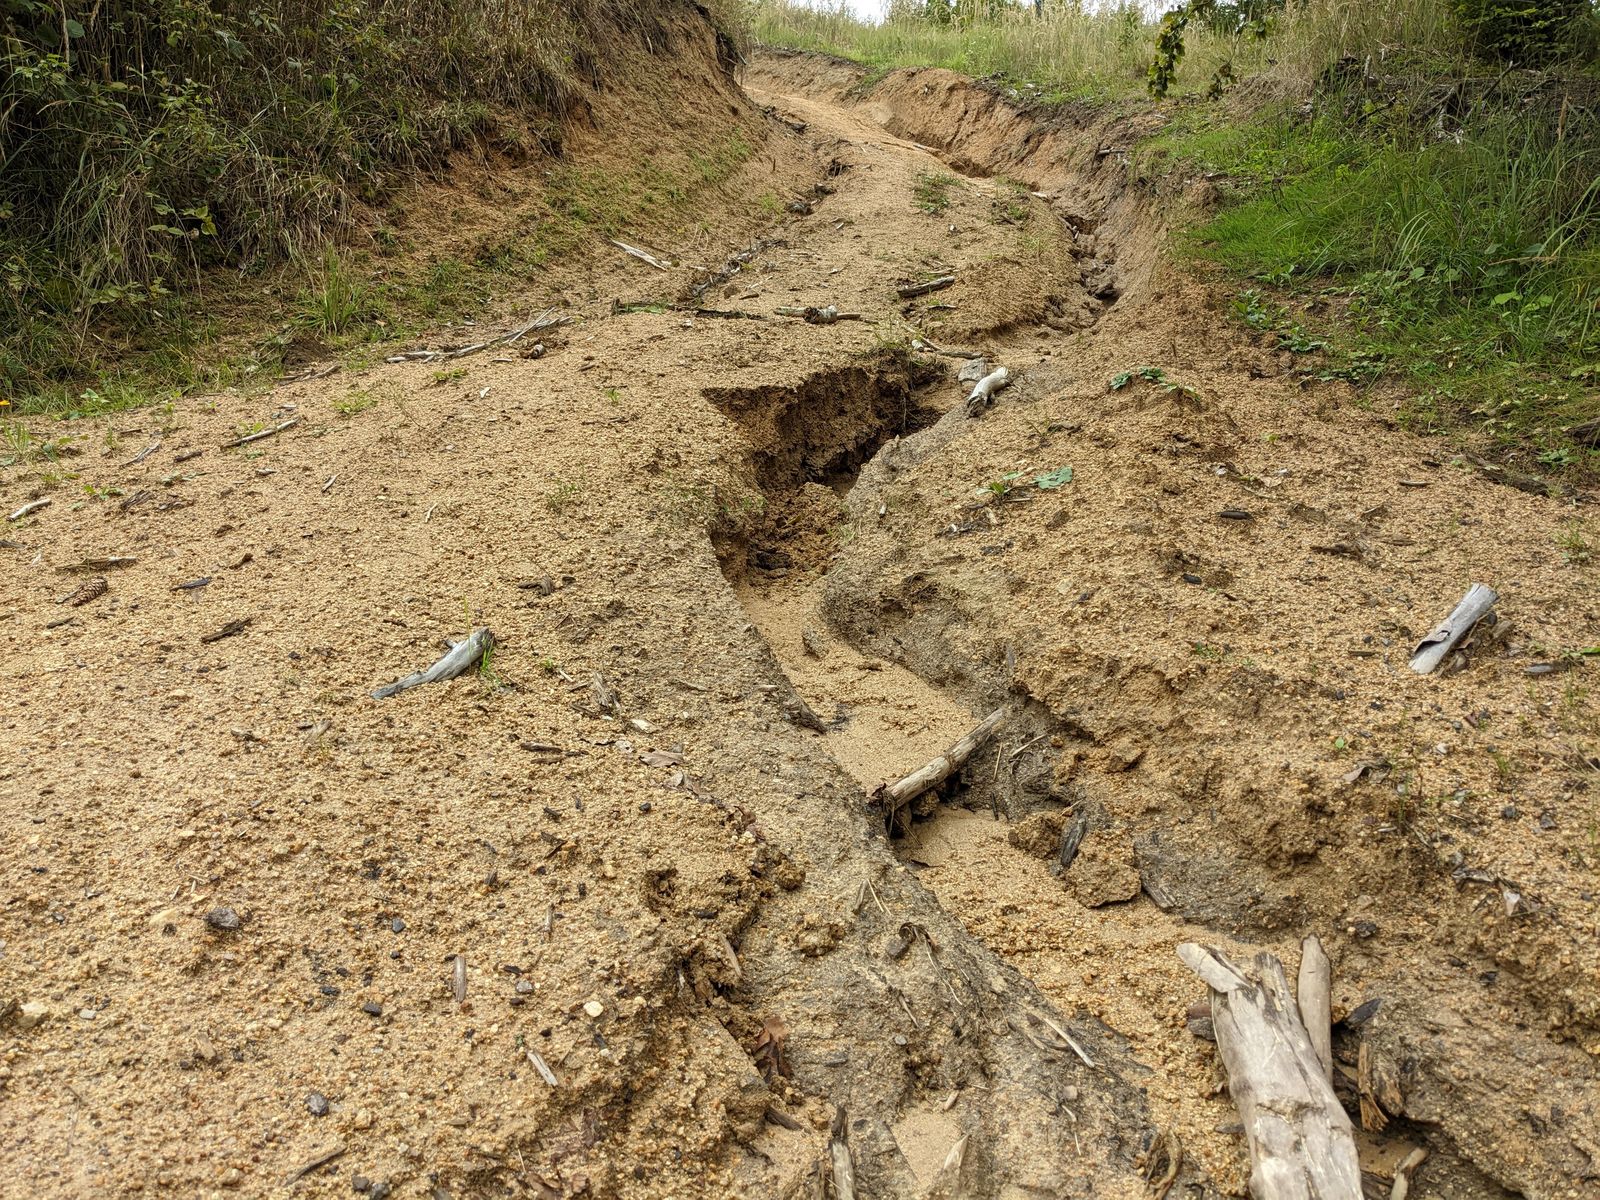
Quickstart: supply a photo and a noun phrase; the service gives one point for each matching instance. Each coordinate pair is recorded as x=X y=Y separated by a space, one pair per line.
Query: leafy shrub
x=1527 y=32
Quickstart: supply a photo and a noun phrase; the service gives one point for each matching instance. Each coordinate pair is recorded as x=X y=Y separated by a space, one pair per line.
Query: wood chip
x=543 y=1068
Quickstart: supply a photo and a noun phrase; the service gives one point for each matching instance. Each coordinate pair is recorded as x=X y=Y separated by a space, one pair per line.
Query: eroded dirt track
x=682 y=904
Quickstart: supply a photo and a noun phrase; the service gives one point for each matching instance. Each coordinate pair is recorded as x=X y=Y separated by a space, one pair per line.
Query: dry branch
x=1474 y=606
x=321 y=1160
x=840 y=1161
x=1302 y=1146
x=265 y=433
x=543 y=321
x=895 y=796
x=811 y=315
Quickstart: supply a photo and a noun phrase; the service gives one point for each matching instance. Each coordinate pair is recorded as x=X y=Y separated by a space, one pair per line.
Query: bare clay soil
x=615 y=916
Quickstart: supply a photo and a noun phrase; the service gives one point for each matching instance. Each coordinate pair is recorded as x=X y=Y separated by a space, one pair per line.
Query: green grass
x=363 y=294
x=1076 y=52
x=931 y=192
x=1468 y=268
x=565 y=494
x=168 y=165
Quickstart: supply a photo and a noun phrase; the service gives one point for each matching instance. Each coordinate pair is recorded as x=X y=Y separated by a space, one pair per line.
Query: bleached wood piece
x=1431 y=650
x=1302 y=1146
x=1315 y=992
x=983 y=394
x=642 y=255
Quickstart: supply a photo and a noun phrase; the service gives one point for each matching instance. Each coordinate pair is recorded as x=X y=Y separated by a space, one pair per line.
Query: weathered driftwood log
x=1301 y=1143
x=1431 y=650
x=1315 y=991
x=983 y=394
x=897 y=795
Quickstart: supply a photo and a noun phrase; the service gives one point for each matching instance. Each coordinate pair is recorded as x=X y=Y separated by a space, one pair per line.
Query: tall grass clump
x=1068 y=50
x=145 y=142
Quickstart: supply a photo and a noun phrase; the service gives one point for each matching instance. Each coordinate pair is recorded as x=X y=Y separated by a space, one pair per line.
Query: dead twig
x=321 y=1160
x=265 y=433
x=144 y=454
x=543 y=321
x=911 y=291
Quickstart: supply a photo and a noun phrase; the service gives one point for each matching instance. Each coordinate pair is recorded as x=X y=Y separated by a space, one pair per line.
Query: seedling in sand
x=932 y=192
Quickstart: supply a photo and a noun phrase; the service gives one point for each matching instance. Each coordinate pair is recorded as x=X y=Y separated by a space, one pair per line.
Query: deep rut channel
x=890 y=599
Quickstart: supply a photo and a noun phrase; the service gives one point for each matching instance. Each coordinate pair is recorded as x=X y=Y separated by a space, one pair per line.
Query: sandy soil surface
x=614 y=915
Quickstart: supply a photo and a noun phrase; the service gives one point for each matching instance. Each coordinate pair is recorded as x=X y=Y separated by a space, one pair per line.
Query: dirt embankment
x=689 y=959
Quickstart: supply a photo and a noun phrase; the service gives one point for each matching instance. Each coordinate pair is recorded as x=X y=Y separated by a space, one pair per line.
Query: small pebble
x=645 y=807
x=372 y=1008
x=317 y=1104
x=594 y=1008
x=397 y=925
x=223 y=918
x=1509 y=813
x=360 y=1183
x=379 y=1190
x=1188 y=578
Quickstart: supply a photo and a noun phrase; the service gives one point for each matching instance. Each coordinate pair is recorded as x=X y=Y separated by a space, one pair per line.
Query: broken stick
x=265 y=433
x=983 y=394
x=31 y=507
x=321 y=1160
x=895 y=796
x=811 y=315
x=1302 y=1146
x=912 y=290
x=1474 y=606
